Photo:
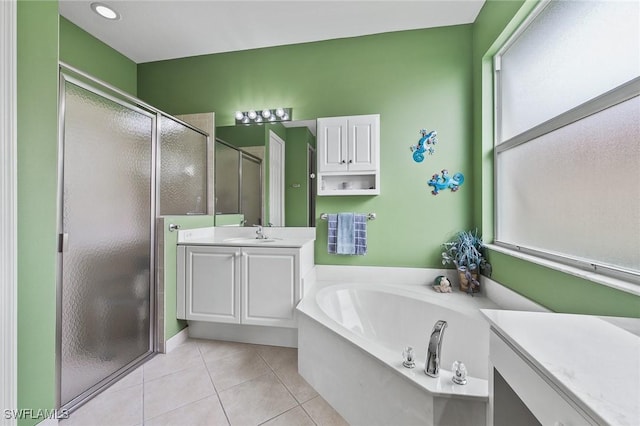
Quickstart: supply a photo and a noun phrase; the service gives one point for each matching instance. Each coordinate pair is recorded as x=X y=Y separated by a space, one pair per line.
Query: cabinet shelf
x=349 y=184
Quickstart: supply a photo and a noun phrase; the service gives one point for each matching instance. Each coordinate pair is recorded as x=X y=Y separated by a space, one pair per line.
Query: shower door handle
x=63 y=243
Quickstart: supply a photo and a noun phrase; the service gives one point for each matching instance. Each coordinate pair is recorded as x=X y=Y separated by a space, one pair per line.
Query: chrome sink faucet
x=432 y=363
x=260 y=233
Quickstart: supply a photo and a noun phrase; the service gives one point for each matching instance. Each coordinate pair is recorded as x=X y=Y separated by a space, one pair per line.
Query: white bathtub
x=350 y=342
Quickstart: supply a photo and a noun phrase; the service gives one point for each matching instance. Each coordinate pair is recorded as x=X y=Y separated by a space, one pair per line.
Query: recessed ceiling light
x=105 y=11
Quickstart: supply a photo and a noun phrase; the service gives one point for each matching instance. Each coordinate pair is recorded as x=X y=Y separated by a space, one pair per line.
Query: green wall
x=241 y=136
x=555 y=290
x=413 y=79
x=85 y=52
x=37 y=170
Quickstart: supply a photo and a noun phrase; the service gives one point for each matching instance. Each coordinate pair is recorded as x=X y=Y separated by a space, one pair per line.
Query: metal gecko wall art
x=444 y=181
x=425 y=144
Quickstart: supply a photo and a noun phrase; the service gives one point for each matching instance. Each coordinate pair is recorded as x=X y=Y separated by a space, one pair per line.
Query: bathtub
x=350 y=342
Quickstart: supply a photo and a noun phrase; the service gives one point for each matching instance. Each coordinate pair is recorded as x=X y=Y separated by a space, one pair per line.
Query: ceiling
x=153 y=30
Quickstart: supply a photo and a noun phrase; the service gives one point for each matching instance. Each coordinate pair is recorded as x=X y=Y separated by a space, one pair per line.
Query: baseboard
x=256 y=334
x=176 y=340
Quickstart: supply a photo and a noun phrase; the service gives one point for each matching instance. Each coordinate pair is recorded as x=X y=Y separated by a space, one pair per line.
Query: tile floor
x=206 y=382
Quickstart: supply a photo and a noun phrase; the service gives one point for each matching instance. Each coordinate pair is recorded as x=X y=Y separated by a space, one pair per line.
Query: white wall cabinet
x=348 y=155
x=242 y=285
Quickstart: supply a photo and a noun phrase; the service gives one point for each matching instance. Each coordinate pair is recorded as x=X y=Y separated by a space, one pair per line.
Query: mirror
x=252 y=178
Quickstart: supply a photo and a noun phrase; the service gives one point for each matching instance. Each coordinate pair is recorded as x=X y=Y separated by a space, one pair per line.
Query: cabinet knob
x=350 y=161
x=342 y=162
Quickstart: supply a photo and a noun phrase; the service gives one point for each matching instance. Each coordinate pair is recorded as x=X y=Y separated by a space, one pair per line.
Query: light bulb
x=252 y=115
x=266 y=113
x=239 y=115
x=105 y=11
x=285 y=116
x=272 y=118
x=245 y=120
x=280 y=112
x=258 y=119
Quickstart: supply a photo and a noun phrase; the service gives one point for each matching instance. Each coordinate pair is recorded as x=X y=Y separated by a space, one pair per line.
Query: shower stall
x=238 y=183
x=122 y=163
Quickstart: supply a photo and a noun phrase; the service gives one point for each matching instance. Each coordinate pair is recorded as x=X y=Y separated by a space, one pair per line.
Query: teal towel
x=346 y=243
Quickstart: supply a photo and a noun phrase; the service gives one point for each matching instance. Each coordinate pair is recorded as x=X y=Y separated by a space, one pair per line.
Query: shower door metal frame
x=103 y=384
x=102 y=88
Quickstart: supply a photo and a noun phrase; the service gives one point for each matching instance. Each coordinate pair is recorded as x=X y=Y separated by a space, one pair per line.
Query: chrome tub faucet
x=432 y=363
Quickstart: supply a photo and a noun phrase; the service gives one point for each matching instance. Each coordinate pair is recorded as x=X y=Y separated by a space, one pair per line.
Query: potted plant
x=466 y=252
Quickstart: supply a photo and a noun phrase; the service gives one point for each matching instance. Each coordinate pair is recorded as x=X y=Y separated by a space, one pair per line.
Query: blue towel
x=360 y=227
x=332 y=236
x=346 y=241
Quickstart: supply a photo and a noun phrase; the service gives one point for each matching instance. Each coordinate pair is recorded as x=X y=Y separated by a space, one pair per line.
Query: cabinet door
x=363 y=142
x=213 y=284
x=270 y=286
x=332 y=144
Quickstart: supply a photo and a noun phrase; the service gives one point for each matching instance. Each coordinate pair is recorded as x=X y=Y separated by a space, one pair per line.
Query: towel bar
x=325 y=216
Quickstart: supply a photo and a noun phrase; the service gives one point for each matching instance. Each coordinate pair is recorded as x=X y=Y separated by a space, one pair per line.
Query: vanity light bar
x=267 y=115
x=370 y=216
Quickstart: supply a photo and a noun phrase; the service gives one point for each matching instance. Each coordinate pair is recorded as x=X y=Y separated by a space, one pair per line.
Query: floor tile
x=293 y=417
x=131 y=379
x=322 y=413
x=235 y=369
x=215 y=349
x=297 y=385
x=206 y=412
x=184 y=356
x=278 y=357
x=256 y=401
x=175 y=390
x=112 y=407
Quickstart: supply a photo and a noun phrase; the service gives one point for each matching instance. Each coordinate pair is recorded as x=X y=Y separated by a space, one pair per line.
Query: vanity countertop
x=246 y=237
x=595 y=363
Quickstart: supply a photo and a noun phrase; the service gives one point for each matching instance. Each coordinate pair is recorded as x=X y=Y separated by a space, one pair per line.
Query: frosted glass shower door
x=183 y=169
x=106 y=240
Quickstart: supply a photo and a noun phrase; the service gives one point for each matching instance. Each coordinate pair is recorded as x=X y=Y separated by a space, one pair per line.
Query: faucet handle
x=409 y=359
x=459 y=373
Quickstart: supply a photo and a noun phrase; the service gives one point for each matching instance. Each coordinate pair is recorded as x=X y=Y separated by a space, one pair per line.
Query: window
x=567 y=155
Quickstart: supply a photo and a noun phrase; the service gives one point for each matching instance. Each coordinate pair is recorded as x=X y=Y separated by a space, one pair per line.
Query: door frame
x=8 y=214
x=273 y=137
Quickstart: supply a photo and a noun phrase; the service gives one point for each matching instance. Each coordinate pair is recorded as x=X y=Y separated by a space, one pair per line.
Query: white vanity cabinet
x=270 y=286
x=349 y=155
x=242 y=285
x=212 y=283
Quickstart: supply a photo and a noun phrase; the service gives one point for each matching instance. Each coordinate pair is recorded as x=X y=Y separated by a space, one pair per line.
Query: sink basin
x=250 y=240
